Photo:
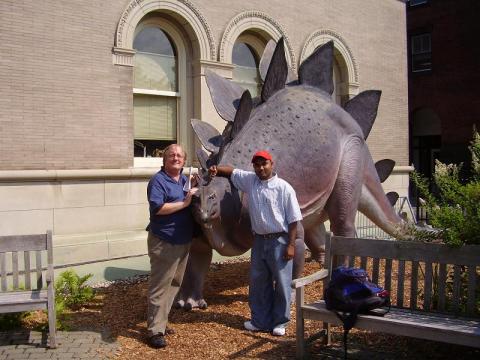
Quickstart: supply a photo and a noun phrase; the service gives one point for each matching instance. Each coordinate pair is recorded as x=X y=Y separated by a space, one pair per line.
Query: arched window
x=337 y=83
x=155 y=92
x=246 y=72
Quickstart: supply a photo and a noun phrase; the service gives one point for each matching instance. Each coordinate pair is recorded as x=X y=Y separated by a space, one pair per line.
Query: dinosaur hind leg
x=343 y=202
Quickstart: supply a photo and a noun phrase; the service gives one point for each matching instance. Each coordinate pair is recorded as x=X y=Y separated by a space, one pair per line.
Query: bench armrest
x=322 y=274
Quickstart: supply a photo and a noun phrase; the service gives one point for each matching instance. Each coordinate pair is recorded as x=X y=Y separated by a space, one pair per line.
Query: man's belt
x=271 y=235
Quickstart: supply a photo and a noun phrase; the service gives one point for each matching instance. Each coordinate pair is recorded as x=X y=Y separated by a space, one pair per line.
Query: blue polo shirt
x=175 y=228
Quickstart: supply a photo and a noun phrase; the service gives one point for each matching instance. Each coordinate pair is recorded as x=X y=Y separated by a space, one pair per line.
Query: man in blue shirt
x=274 y=214
x=169 y=237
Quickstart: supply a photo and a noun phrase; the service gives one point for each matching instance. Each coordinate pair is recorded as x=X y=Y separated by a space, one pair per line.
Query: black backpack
x=349 y=293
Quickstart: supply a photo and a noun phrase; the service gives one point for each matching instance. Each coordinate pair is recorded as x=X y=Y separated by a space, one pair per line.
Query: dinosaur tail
x=376 y=206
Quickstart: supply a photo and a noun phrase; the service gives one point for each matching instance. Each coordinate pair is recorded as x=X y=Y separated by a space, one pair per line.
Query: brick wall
x=451 y=88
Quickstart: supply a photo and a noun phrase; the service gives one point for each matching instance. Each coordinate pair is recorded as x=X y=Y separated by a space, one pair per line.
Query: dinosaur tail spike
x=384 y=168
x=392 y=197
x=363 y=108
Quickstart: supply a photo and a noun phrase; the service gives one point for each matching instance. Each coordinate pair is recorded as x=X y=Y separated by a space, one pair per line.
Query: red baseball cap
x=263 y=154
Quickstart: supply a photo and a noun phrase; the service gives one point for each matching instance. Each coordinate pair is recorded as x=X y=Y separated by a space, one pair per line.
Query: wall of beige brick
x=66 y=106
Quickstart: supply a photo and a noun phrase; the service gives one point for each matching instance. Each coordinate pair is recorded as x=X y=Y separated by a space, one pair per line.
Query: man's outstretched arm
x=224 y=171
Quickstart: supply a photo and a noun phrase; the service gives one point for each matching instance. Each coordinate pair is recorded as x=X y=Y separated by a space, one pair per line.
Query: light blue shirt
x=272 y=203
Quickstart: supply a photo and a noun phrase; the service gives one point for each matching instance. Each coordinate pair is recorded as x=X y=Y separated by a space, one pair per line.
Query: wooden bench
x=432 y=287
x=17 y=296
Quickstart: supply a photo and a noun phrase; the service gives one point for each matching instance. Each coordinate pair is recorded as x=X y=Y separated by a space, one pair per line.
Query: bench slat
x=400 y=283
x=456 y=288
x=376 y=268
x=406 y=323
x=405 y=250
x=17 y=301
x=427 y=287
x=472 y=277
x=3 y=271
x=23 y=242
x=21 y=297
x=414 y=285
x=363 y=262
x=351 y=261
x=15 y=269
x=388 y=274
x=442 y=281
x=26 y=261
x=38 y=269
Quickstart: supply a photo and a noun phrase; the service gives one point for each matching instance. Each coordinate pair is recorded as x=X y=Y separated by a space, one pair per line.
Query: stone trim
x=137 y=9
x=87 y=174
x=123 y=57
x=132 y=173
x=321 y=37
x=402 y=169
x=253 y=20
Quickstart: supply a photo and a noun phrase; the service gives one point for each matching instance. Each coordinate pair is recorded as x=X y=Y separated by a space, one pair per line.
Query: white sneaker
x=278 y=331
x=250 y=327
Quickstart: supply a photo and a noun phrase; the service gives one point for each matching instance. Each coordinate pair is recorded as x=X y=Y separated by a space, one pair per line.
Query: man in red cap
x=274 y=214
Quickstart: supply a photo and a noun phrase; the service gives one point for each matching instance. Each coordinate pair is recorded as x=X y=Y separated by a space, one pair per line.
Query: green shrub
x=71 y=291
x=455 y=211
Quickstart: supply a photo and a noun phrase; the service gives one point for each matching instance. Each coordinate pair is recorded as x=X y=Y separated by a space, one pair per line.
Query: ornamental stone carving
x=253 y=20
x=137 y=9
x=321 y=37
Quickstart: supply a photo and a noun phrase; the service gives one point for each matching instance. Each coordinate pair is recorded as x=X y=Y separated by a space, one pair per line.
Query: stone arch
x=196 y=26
x=254 y=22
x=343 y=56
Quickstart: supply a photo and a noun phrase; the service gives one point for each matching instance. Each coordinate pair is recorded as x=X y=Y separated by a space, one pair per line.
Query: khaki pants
x=167 y=263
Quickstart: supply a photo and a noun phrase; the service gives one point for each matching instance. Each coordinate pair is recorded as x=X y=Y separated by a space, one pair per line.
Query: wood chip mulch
x=218 y=333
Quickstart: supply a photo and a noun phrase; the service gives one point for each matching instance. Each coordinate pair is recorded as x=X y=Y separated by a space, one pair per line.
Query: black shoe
x=157 y=341
x=169 y=331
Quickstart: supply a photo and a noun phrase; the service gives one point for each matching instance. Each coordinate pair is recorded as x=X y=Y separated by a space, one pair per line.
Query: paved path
x=25 y=344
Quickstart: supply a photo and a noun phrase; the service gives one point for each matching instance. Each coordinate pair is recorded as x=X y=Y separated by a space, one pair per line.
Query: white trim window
x=155 y=92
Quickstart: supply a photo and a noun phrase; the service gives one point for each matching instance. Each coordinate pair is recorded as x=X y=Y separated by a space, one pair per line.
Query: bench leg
x=52 y=317
x=328 y=334
x=300 y=336
x=300 y=323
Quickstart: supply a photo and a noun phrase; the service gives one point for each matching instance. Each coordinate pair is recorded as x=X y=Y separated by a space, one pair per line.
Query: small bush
x=71 y=291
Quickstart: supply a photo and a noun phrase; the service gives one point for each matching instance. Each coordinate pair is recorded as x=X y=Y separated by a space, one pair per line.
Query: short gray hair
x=169 y=147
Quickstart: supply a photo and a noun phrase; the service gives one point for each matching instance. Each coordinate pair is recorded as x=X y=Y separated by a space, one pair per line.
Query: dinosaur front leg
x=191 y=292
x=299 y=257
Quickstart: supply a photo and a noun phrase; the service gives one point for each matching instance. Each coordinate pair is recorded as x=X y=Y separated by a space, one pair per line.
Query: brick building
x=90 y=89
x=444 y=97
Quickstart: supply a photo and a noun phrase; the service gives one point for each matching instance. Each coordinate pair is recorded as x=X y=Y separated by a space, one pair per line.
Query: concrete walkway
x=23 y=344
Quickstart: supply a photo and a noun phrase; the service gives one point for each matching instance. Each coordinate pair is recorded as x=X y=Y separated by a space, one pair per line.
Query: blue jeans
x=270 y=278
